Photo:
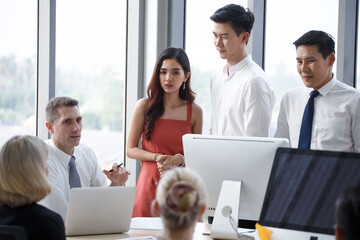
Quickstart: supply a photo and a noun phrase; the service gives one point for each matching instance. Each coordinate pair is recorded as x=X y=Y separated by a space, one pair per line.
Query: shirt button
x=156 y=182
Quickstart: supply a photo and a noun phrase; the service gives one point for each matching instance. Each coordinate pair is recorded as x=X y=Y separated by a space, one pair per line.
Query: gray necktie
x=74 y=178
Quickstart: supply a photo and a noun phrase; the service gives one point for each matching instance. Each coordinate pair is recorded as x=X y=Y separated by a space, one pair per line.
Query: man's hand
x=118 y=176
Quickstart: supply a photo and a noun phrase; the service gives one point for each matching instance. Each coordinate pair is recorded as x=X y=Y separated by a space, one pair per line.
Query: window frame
x=170 y=25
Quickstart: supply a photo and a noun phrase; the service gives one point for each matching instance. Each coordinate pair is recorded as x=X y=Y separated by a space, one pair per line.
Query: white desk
x=135 y=232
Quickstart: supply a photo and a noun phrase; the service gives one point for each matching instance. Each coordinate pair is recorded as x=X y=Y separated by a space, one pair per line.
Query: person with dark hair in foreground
x=180 y=202
x=161 y=120
x=241 y=98
x=347 y=215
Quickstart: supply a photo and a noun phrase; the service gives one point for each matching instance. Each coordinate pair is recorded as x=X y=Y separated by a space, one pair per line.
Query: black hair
x=348 y=213
x=241 y=19
x=324 y=41
x=156 y=94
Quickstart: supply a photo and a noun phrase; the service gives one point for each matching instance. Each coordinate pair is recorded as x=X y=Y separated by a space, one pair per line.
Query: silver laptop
x=99 y=210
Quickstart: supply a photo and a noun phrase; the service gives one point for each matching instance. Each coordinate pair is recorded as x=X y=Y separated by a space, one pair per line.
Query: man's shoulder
x=83 y=147
x=85 y=152
x=295 y=94
x=253 y=67
x=250 y=71
x=218 y=73
x=297 y=90
x=340 y=86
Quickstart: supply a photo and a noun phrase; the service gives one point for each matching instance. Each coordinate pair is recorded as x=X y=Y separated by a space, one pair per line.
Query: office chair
x=12 y=233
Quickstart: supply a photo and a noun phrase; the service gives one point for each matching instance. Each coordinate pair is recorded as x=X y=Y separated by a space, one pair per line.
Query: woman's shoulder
x=46 y=212
x=39 y=221
x=144 y=100
x=196 y=108
x=142 y=103
x=51 y=222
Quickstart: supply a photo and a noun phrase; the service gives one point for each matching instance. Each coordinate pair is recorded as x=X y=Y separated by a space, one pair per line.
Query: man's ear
x=246 y=36
x=332 y=59
x=338 y=233
x=49 y=127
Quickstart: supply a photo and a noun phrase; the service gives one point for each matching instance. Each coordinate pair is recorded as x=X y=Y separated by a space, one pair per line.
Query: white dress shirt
x=89 y=170
x=336 y=122
x=241 y=100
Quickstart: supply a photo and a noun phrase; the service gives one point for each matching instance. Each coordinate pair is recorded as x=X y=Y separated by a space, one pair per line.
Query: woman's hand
x=166 y=162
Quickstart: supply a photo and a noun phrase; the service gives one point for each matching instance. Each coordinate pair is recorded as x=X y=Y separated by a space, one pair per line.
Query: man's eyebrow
x=307 y=58
x=66 y=119
x=221 y=34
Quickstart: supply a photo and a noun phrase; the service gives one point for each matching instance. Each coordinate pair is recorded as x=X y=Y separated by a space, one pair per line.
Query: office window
x=286 y=21
x=18 y=28
x=90 y=67
x=199 y=46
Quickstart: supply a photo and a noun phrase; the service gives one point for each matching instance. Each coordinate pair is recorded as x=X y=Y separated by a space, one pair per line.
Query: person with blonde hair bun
x=180 y=202
x=23 y=182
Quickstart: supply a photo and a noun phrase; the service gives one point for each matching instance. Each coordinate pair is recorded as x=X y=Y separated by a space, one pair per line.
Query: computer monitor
x=246 y=159
x=302 y=191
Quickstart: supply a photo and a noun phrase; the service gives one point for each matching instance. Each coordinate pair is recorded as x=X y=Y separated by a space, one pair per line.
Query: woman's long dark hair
x=155 y=92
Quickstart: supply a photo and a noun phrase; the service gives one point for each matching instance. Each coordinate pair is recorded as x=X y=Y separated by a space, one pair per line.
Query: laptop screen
x=303 y=188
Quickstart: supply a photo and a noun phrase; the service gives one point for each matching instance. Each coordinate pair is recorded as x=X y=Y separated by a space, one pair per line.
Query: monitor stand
x=226 y=216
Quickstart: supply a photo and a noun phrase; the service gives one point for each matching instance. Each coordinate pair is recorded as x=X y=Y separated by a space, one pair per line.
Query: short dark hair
x=348 y=213
x=324 y=41
x=56 y=102
x=241 y=19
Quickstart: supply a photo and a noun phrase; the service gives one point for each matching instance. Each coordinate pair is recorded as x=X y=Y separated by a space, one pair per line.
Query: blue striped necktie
x=74 y=178
x=307 y=122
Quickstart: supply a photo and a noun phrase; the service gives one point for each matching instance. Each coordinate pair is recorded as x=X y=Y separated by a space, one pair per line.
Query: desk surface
x=133 y=233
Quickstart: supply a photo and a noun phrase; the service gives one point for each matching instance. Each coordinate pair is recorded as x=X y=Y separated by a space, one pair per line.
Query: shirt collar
x=63 y=157
x=237 y=66
x=326 y=88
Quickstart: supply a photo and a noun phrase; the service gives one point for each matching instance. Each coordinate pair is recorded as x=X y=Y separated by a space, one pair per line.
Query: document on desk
x=139 y=238
x=148 y=223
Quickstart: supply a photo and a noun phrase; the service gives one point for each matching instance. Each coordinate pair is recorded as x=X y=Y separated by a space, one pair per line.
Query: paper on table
x=149 y=223
x=139 y=238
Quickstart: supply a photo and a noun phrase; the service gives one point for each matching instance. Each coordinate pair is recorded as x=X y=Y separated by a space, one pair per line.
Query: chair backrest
x=12 y=233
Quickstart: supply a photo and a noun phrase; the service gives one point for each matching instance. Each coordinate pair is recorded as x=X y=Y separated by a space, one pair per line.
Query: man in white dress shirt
x=336 y=118
x=241 y=99
x=64 y=124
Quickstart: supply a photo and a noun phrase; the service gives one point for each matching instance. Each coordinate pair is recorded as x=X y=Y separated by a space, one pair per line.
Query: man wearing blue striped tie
x=70 y=163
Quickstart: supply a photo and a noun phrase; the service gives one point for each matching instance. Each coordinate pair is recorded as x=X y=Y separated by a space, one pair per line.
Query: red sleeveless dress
x=166 y=138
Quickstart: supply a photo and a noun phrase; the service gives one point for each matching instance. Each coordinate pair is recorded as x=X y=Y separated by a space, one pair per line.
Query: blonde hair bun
x=182 y=197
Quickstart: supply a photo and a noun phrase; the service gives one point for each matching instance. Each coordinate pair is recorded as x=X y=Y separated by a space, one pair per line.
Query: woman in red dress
x=161 y=119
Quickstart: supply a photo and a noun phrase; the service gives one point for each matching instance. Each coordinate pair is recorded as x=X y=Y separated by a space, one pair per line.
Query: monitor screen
x=246 y=159
x=303 y=188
